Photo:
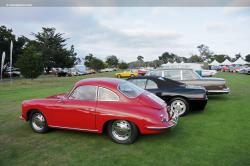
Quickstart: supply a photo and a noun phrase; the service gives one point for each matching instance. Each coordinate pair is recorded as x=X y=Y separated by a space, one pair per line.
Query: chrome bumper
x=223 y=91
x=172 y=123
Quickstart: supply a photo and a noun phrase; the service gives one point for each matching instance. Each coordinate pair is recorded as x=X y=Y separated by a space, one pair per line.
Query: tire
x=128 y=136
x=132 y=75
x=38 y=122
x=118 y=76
x=180 y=105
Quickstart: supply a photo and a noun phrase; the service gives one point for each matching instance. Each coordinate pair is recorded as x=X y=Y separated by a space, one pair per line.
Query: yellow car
x=126 y=74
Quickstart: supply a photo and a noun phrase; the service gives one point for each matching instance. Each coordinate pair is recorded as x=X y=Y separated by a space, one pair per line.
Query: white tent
x=240 y=61
x=214 y=63
x=226 y=62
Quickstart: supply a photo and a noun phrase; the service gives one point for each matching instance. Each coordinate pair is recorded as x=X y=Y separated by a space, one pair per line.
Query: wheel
x=122 y=131
x=118 y=76
x=180 y=105
x=132 y=75
x=38 y=122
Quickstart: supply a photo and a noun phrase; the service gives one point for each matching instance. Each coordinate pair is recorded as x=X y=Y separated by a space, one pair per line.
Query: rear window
x=130 y=90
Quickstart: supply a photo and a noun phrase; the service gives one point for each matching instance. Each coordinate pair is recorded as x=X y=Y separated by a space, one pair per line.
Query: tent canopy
x=214 y=63
x=226 y=62
x=240 y=61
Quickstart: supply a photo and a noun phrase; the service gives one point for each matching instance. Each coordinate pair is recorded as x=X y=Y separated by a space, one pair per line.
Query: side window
x=139 y=82
x=107 y=95
x=155 y=73
x=189 y=75
x=151 y=85
x=173 y=74
x=86 y=92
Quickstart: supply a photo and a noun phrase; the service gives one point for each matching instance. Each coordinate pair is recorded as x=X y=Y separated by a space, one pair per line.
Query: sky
x=131 y=31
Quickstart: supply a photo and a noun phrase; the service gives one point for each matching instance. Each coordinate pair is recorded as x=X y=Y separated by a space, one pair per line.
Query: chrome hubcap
x=178 y=106
x=38 y=121
x=121 y=130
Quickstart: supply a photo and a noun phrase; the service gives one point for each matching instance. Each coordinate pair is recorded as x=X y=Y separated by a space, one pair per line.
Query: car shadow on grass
x=219 y=97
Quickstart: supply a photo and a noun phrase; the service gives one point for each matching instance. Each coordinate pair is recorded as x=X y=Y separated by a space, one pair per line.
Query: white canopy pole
x=2 y=63
x=11 y=48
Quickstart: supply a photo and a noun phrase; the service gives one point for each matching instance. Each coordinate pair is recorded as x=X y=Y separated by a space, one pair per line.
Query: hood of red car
x=56 y=96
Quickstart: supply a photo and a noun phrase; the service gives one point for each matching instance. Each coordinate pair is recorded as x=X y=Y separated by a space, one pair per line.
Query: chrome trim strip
x=159 y=128
x=91 y=130
x=227 y=90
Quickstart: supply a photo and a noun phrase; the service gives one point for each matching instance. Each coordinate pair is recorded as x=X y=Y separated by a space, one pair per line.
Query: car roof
x=100 y=81
x=161 y=81
x=172 y=69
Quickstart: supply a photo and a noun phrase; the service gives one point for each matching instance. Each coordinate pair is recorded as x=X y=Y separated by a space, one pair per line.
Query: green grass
x=218 y=136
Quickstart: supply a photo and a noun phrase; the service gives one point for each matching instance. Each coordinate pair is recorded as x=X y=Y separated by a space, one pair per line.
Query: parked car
x=107 y=70
x=224 y=68
x=126 y=74
x=217 y=68
x=244 y=70
x=90 y=71
x=100 y=104
x=208 y=73
x=188 y=76
x=14 y=72
x=63 y=72
x=141 y=72
x=179 y=96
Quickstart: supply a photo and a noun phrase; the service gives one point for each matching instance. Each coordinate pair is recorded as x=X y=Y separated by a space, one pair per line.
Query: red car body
x=60 y=111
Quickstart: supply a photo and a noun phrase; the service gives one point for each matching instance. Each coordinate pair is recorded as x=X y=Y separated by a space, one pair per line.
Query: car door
x=78 y=110
x=107 y=105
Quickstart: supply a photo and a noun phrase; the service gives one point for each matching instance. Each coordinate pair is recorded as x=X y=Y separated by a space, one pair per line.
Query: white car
x=208 y=73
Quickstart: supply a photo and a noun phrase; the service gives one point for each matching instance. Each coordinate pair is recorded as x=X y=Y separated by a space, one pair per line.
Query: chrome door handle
x=90 y=109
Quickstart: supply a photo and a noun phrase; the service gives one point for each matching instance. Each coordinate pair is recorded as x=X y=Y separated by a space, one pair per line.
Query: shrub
x=30 y=62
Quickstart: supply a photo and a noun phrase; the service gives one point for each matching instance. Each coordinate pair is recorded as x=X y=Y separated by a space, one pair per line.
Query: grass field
x=218 y=136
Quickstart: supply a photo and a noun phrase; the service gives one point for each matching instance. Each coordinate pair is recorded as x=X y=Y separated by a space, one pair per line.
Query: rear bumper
x=172 y=123
x=222 y=91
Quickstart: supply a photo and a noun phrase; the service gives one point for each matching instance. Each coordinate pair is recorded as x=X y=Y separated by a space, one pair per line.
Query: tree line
x=33 y=56
x=49 y=49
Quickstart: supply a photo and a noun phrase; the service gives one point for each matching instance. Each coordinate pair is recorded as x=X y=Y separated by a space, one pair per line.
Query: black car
x=179 y=96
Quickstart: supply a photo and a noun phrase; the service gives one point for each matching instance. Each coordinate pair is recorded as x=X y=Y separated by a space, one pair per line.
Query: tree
x=30 y=63
x=6 y=36
x=123 y=65
x=112 y=61
x=220 y=58
x=88 y=60
x=52 y=47
x=140 y=58
x=237 y=56
x=248 y=58
x=195 y=59
x=157 y=63
x=97 y=64
x=93 y=62
x=205 y=53
x=168 y=57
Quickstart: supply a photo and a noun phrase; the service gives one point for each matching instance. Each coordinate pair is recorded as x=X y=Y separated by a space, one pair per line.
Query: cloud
x=146 y=33
x=215 y=27
x=234 y=10
x=129 y=32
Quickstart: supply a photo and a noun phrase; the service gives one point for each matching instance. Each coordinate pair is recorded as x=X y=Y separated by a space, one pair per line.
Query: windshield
x=130 y=90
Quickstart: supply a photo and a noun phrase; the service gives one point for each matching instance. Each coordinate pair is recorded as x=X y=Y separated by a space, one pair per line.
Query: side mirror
x=61 y=99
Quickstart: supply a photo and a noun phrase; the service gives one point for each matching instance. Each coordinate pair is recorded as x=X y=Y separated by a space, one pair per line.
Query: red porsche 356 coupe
x=100 y=104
